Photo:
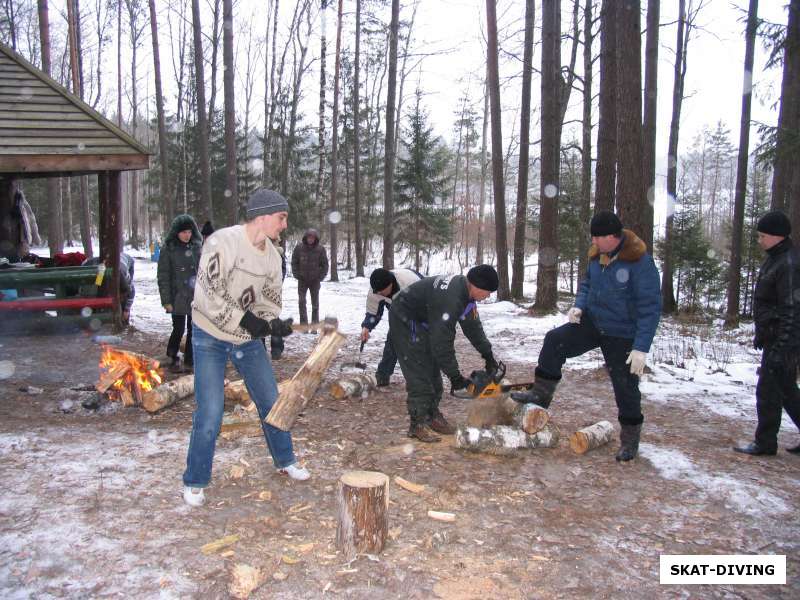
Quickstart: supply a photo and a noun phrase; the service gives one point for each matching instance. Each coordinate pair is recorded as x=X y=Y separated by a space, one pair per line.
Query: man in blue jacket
x=617 y=308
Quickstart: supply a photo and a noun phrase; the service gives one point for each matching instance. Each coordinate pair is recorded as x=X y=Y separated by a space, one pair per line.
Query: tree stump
x=502 y=410
x=363 y=512
x=591 y=437
x=353 y=385
x=503 y=440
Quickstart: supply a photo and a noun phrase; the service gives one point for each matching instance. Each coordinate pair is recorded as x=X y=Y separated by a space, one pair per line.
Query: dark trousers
x=388 y=361
x=180 y=323
x=276 y=345
x=776 y=390
x=420 y=369
x=574 y=339
x=302 y=288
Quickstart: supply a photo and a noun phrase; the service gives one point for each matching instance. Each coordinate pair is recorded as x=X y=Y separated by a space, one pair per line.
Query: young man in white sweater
x=236 y=304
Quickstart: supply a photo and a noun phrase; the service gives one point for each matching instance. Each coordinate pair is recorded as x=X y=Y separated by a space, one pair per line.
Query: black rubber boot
x=629 y=442
x=540 y=394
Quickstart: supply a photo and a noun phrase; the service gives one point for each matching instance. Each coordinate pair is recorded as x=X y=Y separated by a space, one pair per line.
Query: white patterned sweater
x=234 y=276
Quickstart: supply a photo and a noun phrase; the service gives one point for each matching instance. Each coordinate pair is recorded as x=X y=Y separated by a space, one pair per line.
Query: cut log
x=591 y=437
x=442 y=516
x=301 y=388
x=409 y=486
x=487 y=412
x=504 y=440
x=168 y=393
x=353 y=385
x=236 y=392
x=363 y=512
x=111 y=375
x=126 y=396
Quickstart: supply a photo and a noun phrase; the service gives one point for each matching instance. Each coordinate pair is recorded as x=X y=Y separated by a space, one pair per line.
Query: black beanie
x=775 y=223
x=380 y=279
x=605 y=223
x=207 y=229
x=484 y=277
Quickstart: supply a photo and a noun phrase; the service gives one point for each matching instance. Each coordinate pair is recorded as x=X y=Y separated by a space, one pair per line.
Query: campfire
x=127 y=376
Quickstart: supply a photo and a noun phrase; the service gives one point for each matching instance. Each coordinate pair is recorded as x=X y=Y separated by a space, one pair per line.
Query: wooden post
x=363 y=512
x=502 y=410
x=503 y=440
x=301 y=388
x=591 y=437
x=113 y=238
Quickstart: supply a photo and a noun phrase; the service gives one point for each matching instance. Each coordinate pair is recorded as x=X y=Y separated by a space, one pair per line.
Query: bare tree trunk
x=484 y=162
x=498 y=183
x=273 y=94
x=202 y=121
x=403 y=74
x=735 y=265
x=668 y=303
x=231 y=183
x=357 y=144
x=630 y=183
x=214 y=54
x=55 y=236
x=789 y=122
x=518 y=268
x=586 y=146
x=606 y=169
x=547 y=272
x=389 y=154
x=334 y=148
x=119 y=65
x=321 y=129
x=650 y=110
x=166 y=196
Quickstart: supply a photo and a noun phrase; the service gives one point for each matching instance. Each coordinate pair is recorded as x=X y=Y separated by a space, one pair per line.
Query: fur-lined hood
x=182 y=223
x=633 y=248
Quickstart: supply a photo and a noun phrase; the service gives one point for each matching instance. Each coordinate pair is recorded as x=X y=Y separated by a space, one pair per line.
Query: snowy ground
x=90 y=505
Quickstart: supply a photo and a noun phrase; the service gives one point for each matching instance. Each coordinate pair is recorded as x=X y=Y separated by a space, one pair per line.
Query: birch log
x=168 y=393
x=591 y=437
x=353 y=385
x=363 y=512
x=236 y=392
x=503 y=440
x=301 y=388
x=502 y=410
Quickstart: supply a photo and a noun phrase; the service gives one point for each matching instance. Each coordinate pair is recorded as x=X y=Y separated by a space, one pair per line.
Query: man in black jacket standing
x=776 y=312
x=422 y=330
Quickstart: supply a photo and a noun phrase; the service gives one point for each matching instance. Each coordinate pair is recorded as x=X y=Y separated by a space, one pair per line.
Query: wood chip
x=304 y=548
x=298 y=508
x=289 y=560
x=220 y=543
x=265 y=495
x=441 y=516
x=236 y=472
x=414 y=488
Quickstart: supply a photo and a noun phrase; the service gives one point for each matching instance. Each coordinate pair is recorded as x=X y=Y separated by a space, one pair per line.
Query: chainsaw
x=484 y=384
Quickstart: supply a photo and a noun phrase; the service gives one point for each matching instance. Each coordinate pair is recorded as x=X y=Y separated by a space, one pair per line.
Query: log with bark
x=591 y=437
x=504 y=440
x=353 y=385
x=363 y=512
x=502 y=410
x=168 y=393
x=301 y=388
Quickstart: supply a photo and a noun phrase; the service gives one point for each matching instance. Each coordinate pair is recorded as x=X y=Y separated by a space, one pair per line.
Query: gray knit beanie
x=265 y=202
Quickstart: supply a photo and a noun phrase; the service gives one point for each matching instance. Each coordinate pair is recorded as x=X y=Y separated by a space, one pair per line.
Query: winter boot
x=423 y=433
x=629 y=442
x=541 y=393
x=440 y=425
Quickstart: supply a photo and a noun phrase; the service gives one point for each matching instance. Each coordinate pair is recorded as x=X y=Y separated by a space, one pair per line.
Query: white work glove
x=574 y=315
x=636 y=360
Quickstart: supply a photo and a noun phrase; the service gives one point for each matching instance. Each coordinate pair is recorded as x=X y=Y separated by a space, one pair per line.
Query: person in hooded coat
x=177 y=271
x=309 y=267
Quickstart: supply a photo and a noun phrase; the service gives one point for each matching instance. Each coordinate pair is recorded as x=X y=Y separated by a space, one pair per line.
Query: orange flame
x=138 y=371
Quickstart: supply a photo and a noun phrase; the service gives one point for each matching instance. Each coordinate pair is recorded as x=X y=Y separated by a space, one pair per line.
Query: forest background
x=487 y=131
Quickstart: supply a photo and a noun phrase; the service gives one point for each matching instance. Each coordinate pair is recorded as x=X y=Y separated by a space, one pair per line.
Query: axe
x=358 y=364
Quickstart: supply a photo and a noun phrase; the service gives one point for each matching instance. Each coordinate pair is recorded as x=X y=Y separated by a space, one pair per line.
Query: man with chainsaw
x=384 y=286
x=422 y=330
x=617 y=308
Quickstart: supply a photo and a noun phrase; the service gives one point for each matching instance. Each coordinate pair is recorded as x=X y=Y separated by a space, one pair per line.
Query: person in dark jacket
x=276 y=344
x=127 y=291
x=206 y=230
x=177 y=271
x=422 y=330
x=309 y=267
x=617 y=308
x=776 y=312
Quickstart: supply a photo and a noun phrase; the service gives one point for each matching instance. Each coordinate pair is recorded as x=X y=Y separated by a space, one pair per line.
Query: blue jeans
x=251 y=361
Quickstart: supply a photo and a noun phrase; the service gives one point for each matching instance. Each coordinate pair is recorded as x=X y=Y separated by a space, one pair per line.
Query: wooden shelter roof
x=44 y=129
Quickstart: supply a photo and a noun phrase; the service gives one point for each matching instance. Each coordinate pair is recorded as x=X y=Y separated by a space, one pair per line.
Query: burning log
x=502 y=410
x=363 y=510
x=591 y=437
x=353 y=385
x=167 y=393
x=503 y=440
x=301 y=388
x=126 y=376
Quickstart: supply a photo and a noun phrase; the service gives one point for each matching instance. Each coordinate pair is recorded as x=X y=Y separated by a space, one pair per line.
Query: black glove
x=491 y=364
x=256 y=327
x=458 y=382
x=281 y=327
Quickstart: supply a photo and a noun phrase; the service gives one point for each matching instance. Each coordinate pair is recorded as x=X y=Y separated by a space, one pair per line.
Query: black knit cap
x=775 y=223
x=380 y=279
x=207 y=229
x=484 y=277
x=605 y=223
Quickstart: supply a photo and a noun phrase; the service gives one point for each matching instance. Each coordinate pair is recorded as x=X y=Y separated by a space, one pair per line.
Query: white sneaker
x=193 y=496
x=295 y=472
